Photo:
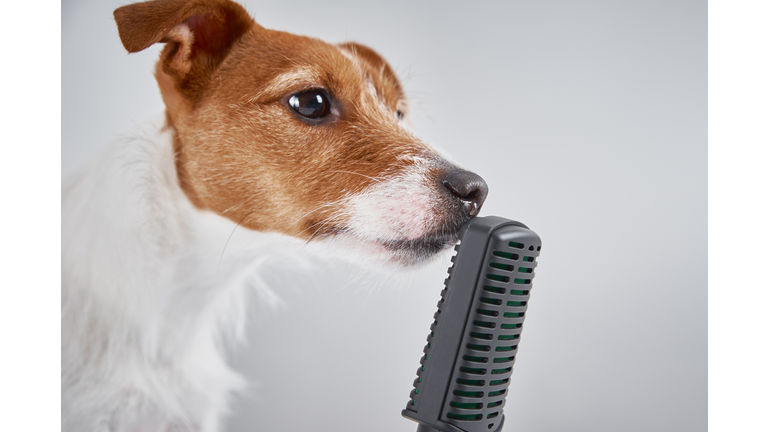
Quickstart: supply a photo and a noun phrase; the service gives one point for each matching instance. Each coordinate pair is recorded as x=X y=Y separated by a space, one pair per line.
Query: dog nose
x=467 y=186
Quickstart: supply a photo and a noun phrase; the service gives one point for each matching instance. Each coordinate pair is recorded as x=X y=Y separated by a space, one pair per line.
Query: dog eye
x=310 y=104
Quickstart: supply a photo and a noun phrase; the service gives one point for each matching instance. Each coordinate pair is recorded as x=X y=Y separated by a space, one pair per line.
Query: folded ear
x=198 y=33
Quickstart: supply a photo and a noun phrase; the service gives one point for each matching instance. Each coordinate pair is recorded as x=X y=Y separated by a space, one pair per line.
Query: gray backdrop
x=588 y=120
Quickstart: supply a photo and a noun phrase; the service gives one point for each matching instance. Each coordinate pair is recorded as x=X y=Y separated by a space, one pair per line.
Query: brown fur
x=241 y=152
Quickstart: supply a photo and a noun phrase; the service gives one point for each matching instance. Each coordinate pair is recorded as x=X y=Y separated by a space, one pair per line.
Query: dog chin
x=417 y=251
x=385 y=253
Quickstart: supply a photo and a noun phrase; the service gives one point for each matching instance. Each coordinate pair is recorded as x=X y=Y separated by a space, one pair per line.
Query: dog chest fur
x=146 y=293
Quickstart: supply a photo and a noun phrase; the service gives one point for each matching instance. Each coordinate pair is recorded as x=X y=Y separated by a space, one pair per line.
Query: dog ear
x=198 y=34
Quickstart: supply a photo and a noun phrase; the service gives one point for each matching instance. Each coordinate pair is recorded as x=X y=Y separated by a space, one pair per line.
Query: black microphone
x=462 y=380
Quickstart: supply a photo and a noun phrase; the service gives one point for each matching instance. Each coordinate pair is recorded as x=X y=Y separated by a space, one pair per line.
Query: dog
x=276 y=137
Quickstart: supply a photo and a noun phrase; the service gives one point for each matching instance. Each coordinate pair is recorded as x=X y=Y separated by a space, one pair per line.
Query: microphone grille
x=471 y=350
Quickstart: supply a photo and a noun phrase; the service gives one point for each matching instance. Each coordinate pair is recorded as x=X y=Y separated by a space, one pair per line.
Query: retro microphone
x=462 y=380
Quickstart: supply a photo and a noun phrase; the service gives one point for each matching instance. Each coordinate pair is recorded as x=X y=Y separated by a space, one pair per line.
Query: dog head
x=290 y=134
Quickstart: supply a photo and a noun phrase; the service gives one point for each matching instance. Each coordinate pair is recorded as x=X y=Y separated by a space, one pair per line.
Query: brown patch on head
x=246 y=149
x=243 y=150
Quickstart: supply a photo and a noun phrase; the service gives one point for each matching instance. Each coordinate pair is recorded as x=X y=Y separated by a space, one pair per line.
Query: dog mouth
x=405 y=252
x=397 y=249
x=410 y=252
x=419 y=248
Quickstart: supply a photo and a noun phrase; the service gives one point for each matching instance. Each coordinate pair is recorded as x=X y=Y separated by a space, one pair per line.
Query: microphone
x=461 y=384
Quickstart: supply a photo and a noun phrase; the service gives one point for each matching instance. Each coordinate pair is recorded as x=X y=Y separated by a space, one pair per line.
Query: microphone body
x=462 y=380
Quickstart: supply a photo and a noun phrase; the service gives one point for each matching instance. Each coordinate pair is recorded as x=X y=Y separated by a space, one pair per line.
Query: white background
x=587 y=119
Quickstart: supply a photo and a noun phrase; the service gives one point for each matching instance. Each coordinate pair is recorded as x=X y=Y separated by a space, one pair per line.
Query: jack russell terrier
x=266 y=133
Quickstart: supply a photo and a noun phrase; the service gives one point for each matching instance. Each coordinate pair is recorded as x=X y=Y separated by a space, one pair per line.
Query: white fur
x=398 y=208
x=147 y=291
x=150 y=285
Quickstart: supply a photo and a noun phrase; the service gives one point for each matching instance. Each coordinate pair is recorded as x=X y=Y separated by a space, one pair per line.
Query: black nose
x=467 y=186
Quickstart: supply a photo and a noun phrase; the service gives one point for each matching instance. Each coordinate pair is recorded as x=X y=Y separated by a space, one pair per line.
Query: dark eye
x=311 y=104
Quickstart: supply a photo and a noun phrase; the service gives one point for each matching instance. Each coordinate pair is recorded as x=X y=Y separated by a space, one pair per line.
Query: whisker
x=314 y=233
x=321 y=206
x=361 y=175
x=230 y=237
x=323 y=225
